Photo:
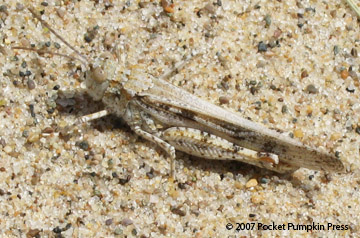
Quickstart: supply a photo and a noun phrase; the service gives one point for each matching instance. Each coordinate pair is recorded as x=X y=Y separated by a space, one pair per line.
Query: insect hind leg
x=205 y=145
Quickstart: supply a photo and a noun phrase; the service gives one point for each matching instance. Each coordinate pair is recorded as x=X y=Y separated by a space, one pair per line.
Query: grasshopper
x=175 y=119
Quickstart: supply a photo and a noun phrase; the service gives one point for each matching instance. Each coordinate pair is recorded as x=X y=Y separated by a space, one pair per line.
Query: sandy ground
x=289 y=65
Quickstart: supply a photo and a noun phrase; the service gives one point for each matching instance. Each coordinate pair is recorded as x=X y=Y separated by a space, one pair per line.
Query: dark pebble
x=150 y=174
x=51 y=110
x=304 y=74
x=108 y=222
x=267 y=21
x=350 y=88
x=67 y=227
x=33 y=233
x=32 y=112
x=84 y=145
x=254 y=90
x=56 y=87
x=354 y=52
x=31 y=84
x=311 y=177
x=357 y=130
x=262 y=47
x=57 y=45
x=182 y=185
x=124 y=181
x=48 y=44
x=25 y=133
x=57 y=230
x=252 y=215
x=45 y=4
x=2 y=142
x=312 y=89
x=178 y=211
x=264 y=180
x=224 y=100
x=3 y=8
x=88 y=38
x=24 y=64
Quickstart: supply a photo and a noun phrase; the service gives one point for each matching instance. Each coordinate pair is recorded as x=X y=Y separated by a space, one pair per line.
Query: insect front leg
x=89 y=117
x=136 y=120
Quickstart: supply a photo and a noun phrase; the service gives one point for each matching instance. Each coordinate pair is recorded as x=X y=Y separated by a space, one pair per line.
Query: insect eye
x=98 y=74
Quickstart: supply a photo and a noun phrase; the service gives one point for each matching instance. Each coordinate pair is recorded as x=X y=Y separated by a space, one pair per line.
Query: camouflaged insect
x=175 y=119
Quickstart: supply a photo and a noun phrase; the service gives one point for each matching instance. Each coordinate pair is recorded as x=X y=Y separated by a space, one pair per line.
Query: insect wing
x=236 y=129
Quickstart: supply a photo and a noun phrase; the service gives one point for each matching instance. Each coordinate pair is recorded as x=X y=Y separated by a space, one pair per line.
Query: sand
x=290 y=66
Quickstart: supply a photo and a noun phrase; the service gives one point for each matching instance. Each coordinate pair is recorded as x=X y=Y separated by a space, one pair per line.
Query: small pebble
x=210 y=8
x=84 y=145
x=178 y=211
x=350 y=88
x=118 y=231
x=251 y=183
x=298 y=133
x=168 y=8
x=354 y=52
x=267 y=21
x=262 y=47
x=48 y=130
x=33 y=137
x=304 y=74
x=336 y=49
x=57 y=230
x=256 y=199
x=126 y=222
x=264 y=180
x=25 y=133
x=33 y=233
x=108 y=222
x=45 y=4
x=151 y=173
x=3 y=8
x=61 y=13
x=311 y=89
x=57 y=45
x=224 y=100
x=31 y=84
x=182 y=185
x=357 y=130
x=7 y=149
x=19 y=7
x=344 y=74
x=2 y=142
x=32 y=112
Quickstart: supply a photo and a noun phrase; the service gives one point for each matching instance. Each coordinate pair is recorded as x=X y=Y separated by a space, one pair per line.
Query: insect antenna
x=40 y=52
x=83 y=59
